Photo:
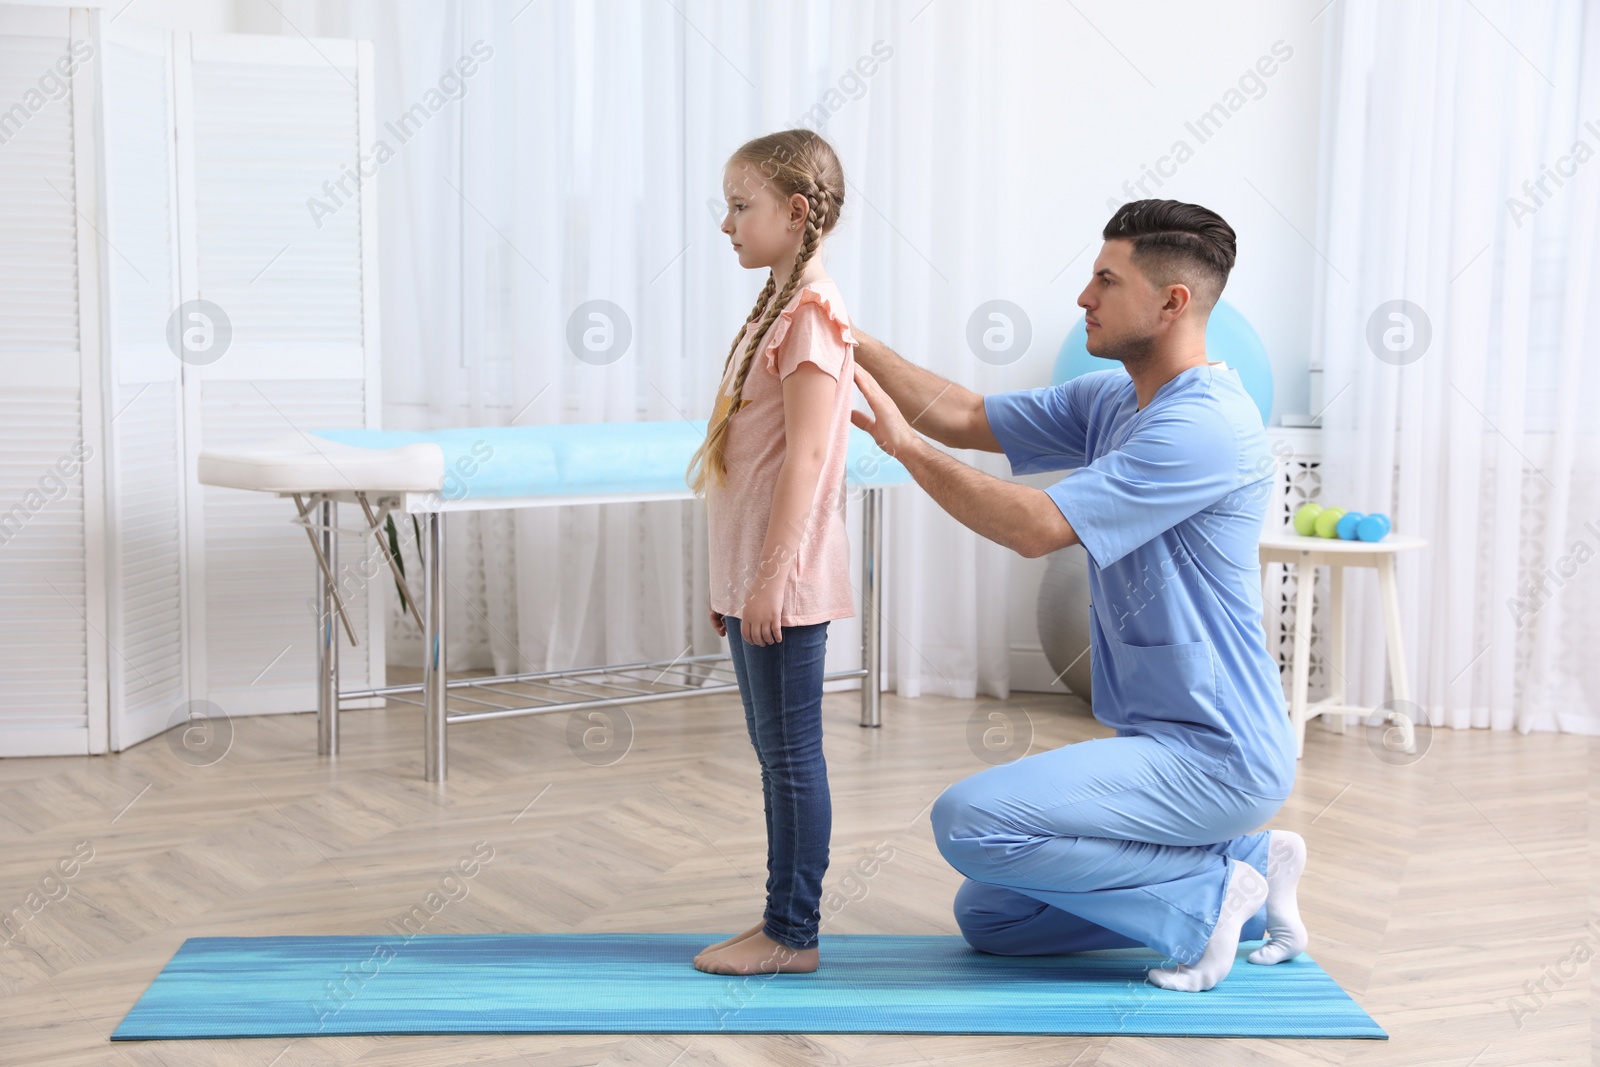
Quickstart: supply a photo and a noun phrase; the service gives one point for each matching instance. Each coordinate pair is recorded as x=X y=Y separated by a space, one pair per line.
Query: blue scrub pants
x=1117 y=842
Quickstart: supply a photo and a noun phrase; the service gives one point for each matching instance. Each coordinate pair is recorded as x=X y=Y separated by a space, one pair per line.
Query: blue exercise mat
x=222 y=987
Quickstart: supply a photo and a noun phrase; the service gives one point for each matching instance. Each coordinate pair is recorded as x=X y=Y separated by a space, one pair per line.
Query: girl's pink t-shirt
x=815 y=327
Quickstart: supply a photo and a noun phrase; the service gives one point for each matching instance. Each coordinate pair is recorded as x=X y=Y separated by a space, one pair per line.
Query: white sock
x=1286 y=934
x=1246 y=890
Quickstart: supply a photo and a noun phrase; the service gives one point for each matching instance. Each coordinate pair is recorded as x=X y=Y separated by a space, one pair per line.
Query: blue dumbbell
x=1346 y=529
x=1374 y=527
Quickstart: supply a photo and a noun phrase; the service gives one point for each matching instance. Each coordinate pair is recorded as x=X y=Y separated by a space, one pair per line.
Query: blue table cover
x=581 y=458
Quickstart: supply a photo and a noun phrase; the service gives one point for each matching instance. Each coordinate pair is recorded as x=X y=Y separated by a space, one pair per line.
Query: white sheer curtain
x=583 y=162
x=1458 y=173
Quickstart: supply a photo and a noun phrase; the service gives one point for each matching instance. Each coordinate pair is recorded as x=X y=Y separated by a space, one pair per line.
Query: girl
x=772 y=471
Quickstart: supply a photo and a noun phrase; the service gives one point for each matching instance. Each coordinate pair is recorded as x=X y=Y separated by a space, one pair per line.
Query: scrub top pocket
x=1170 y=692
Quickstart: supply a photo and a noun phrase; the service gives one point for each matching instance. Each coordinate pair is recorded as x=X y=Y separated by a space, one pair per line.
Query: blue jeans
x=1116 y=842
x=781 y=685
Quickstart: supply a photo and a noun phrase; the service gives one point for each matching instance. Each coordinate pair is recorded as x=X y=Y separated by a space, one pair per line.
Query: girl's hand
x=762 y=608
x=718 y=624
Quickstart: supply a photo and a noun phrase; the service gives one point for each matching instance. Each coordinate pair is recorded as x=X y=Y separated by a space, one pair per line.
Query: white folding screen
x=143 y=388
x=139 y=171
x=292 y=267
x=52 y=563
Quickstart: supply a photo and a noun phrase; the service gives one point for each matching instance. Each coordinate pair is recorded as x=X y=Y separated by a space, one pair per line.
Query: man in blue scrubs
x=1144 y=838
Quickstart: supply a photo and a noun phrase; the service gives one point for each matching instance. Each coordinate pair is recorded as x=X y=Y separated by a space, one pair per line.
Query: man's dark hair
x=1177 y=244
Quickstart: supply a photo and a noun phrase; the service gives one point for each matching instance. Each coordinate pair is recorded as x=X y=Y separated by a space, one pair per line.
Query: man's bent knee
x=956 y=832
x=988 y=916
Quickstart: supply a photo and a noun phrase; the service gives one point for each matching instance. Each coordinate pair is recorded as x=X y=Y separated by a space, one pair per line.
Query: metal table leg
x=328 y=616
x=871 y=608
x=434 y=660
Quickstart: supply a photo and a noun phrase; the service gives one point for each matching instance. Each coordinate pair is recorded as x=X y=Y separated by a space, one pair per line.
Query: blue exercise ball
x=1230 y=339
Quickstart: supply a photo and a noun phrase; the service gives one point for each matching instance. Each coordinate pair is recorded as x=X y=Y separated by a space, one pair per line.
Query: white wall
x=1102 y=111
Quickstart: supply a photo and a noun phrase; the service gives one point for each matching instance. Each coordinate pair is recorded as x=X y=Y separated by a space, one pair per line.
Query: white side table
x=1308 y=553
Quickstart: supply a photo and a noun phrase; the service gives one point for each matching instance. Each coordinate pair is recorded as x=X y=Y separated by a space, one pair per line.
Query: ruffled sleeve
x=815 y=327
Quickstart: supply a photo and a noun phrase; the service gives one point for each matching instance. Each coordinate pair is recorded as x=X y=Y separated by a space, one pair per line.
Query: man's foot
x=756 y=929
x=1286 y=934
x=1246 y=892
x=758 y=954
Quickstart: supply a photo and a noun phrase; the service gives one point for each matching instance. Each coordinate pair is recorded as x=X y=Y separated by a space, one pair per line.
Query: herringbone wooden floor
x=1448 y=896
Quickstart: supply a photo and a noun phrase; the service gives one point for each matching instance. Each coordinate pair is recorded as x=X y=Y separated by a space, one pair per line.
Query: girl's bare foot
x=758 y=954
x=756 y=929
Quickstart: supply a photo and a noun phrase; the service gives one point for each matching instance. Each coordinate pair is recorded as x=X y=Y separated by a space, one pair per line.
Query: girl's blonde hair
x=790 y=162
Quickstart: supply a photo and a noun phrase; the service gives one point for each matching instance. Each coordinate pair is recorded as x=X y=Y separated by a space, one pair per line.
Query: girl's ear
x=798 y=207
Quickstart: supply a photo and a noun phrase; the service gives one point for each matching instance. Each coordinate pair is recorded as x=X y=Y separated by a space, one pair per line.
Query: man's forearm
x=1019 y=517
x=932 y=405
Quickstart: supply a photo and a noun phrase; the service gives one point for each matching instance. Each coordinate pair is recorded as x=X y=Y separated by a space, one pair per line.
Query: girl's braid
x=711 y=455
x=818 y=199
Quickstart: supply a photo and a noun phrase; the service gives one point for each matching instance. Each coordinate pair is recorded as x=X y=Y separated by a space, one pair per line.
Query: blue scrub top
x=1169 y=501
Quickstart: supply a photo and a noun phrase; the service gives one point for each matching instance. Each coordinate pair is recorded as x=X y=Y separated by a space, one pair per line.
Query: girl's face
x=765 y=229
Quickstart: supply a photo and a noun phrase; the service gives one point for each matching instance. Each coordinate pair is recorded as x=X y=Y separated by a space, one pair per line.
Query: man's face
x=1122 y=310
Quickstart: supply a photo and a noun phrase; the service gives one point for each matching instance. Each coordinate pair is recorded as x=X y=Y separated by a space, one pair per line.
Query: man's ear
x=1178 y=298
